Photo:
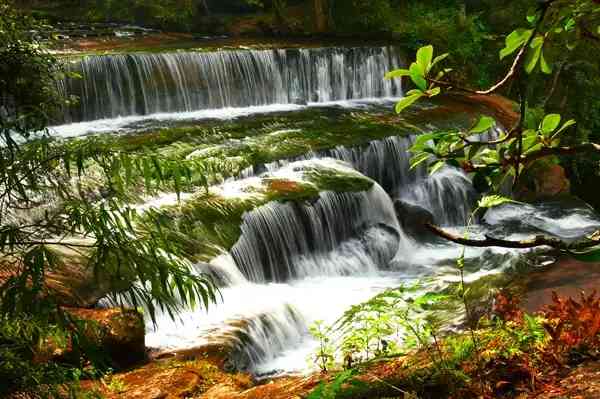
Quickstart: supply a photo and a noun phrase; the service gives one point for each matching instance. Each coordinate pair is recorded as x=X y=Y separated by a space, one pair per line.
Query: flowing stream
x=299 y=262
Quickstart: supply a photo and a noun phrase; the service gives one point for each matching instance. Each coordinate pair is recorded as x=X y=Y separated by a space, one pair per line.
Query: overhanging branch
x=571 y=150
x=534 y=242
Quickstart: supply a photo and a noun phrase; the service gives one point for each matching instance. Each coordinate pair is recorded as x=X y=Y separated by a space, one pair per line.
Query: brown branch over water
x=537 y=241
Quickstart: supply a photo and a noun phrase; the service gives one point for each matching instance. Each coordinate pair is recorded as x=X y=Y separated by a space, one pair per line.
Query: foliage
x=39 y=171
x=573 y=326
x=514 y=352
x=360 y=15
x=165 y=14
x=441 y=24
x=324 y=357
x=334 y=388
x=535 y=137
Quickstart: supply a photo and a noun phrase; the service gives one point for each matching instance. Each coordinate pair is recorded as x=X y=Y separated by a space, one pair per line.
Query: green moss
x=335 y=180
x=207 y=224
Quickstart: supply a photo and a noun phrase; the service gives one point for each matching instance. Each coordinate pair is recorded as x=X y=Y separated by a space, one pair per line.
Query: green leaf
x=407 y=101
x=514 y=41
x=439 y=59
x=398 y=73
x=422 y=140
x=491 y=201
x=546 y=68
x=534 y=54
x=433 y=92
x=549 y=124
x=417 y=76
x=485 y=123
x=424 y=56
x=419 y=159
x=566 y=125
x=436 y=166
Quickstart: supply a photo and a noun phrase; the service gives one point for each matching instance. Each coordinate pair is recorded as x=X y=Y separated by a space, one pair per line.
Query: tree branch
x=572 y=150
x=516 y=62
x=537 y=241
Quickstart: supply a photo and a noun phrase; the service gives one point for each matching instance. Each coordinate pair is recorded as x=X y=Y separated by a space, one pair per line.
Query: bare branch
x=537 y=241
x=516 y=62
x=572 y=150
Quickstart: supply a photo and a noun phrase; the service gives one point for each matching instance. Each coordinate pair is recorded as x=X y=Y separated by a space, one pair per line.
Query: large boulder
x=413 y=218
x=543 y=180
x=119 y=332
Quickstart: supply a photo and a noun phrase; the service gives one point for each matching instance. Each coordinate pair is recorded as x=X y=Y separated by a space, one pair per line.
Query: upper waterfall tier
x=143 y=84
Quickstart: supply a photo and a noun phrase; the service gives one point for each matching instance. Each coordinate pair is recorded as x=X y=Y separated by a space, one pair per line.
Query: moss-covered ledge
x=206 y=224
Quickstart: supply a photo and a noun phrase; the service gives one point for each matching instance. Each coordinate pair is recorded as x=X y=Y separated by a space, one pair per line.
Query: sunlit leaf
x=545 y=67
x=439 y=59
x=407 y=101
x=398 y=73
x=424 y=56
x=433 y=92
x=417 y=76
x=436 y=166
x=485 y=123
x=565 y=126
x=514 y=41
x=491 y=201
x=534 y=53
x=549 y=124
x=419 y=159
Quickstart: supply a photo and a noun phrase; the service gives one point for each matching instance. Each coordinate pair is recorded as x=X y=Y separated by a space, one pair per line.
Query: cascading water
x=294 y=263
x=290 y=241
x=142 y=84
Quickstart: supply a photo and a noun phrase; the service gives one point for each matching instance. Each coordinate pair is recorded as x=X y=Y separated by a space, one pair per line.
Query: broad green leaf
x=417 y=76
x=398 y=73
x=424 y=56
x=422 y=141
x=534 y=53
x=413 y=91
x=436 y=166
x=570 y=24
x=433 y=92
x=514 y=41
x=549 y=124
x=407 y=101
x=439 y=59
x=546 y=68
x=533 y=148
x=566 y=125
x=491 y=201
x=419 y=159
x=485 y=123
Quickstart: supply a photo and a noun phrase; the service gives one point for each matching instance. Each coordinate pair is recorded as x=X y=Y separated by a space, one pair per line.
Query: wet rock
x=381 y=242
x=544 y=180
x=566 y=277
x=413 y=218
x=73 y=282
x=121 y=333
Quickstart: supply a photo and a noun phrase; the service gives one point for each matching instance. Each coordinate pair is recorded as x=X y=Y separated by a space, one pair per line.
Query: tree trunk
x=204 y=6
x=321 y=12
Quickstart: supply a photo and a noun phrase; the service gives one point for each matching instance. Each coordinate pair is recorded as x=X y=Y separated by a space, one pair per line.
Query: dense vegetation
x=559 y=58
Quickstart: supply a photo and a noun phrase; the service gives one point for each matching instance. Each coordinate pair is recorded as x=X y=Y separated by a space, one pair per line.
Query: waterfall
x=339 y=234
x=448 y=194
x=142 y=84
